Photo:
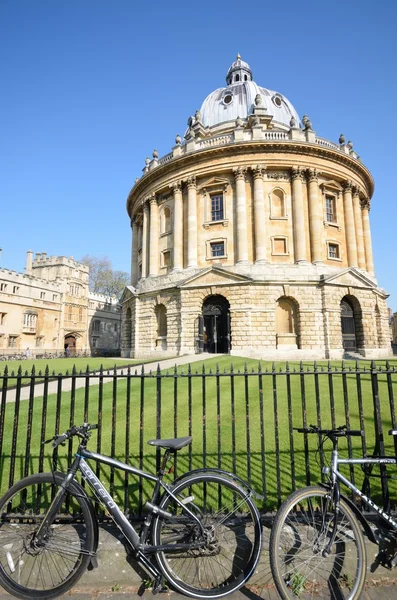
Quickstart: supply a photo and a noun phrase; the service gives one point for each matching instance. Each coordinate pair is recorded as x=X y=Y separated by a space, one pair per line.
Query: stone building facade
x=252 y=236
x=50 y=307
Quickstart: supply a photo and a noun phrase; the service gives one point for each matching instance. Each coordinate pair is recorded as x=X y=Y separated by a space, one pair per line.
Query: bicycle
x=317 y=547
x=204 y=529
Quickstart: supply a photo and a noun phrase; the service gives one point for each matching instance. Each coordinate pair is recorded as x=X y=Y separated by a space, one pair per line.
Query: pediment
x=350 y=277
x=128 y=293
x=213 y=183
x=331 y=184
x=214 y=276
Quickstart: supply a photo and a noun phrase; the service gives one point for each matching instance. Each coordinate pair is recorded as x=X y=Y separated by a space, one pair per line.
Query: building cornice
x=248 y=148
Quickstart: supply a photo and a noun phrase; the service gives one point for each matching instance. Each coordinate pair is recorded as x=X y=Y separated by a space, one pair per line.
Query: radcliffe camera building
x=252 y=236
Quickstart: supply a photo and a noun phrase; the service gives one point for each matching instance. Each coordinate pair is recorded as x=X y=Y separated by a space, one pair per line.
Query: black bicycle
x=317 y=548
x=204 y=529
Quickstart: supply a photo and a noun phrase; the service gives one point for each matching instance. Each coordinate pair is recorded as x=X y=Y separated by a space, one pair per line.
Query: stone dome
x=238 y=99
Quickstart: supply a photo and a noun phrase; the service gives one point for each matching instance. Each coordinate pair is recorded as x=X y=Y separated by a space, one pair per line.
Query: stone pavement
x=118 y=577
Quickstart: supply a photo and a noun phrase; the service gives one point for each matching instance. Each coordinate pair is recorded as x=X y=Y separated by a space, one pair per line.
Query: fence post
x=379 y=445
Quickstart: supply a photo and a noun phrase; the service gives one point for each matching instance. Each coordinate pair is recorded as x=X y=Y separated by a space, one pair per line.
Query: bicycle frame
x=336 y=475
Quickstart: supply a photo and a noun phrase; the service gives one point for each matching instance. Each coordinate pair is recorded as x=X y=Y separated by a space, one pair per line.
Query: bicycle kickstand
x=158 y=585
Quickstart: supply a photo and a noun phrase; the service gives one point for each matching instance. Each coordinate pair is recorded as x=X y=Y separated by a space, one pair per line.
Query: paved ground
x=118 y=577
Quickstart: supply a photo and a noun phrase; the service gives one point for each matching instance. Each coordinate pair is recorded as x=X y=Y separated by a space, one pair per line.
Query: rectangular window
x=3 y=287
x=15 y=289
x=54 y=297
x=279 y=246
x=96 y=325
x=218 y=249
x=330 y=213
x=12 y=341
x=333 y=251
x=80 y=314
x=2 y=318
x=167 y=258
x=42 y=295
x=217 y=207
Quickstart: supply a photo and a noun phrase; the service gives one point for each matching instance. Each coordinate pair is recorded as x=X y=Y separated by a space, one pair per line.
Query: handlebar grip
x=94 y=427
x=60 y=439
x=356 y=432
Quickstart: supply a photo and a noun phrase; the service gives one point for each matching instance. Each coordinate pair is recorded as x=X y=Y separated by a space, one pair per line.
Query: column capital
x=356 y=190
x=191 y=181
x=152 y=199
x=297 y=173
x=176 y=186
x=258 y=171
x=365 y=203
x=239 y=173
x=347 y=186
x=312 y=174
x=133 y=220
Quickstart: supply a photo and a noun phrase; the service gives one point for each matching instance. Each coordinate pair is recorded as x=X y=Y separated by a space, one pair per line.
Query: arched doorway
x=70 y=344
x=348 y=326
x=216 y=325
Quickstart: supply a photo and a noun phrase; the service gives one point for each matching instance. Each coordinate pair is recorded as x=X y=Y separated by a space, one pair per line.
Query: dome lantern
x=238 y=71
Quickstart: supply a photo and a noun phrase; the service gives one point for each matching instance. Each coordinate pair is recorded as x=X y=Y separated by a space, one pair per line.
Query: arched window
x=237 y=78
x=165 y=220
x=277 y=204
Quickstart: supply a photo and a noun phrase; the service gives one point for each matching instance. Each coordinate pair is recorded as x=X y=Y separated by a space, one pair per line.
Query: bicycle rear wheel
x=224 y=553
x=300 y=534
x=46 y=570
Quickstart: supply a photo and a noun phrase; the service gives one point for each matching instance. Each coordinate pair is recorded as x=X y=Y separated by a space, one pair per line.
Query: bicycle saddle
x=174 y=444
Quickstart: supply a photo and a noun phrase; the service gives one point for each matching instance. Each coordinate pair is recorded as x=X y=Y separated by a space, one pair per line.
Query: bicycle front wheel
x=217 y=553
x=45 y=569
x=303 y=565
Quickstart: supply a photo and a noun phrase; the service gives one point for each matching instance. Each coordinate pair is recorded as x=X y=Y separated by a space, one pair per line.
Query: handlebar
x=331 y=433
x=82 y=431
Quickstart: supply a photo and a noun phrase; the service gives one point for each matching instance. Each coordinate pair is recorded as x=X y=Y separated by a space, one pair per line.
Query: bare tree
x=102 y=278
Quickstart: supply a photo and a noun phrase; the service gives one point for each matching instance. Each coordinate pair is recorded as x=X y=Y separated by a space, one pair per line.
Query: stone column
x=358 y=222
x=154 y=237
x=178 y=226
x=191 y=222
x=365 y=207
x=350 y=229
x=315 y=218
x=145 y=239
x=134 y=252
x=259 y=214
x=241 y=215
x=298 y=216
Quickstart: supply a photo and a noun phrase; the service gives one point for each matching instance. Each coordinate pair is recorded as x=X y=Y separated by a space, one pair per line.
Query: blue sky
x=91 y=87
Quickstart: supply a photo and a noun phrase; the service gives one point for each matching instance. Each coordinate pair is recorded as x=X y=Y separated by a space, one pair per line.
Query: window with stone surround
x=279 y=246
x=217 y=212
x=12 y=341
x=166 y=258
x=330 y=208
x=3 y=287
x=2 y=318
x=333 y=251
x=30 y=321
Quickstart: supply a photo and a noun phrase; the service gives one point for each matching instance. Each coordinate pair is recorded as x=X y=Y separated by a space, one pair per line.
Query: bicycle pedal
x=158 y=586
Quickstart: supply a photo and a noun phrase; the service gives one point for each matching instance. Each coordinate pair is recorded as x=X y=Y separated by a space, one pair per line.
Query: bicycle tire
x=29 y=571
x=299 y=535
x=233 y=534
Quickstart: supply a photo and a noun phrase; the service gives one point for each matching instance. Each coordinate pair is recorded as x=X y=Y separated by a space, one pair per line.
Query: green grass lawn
x=244 y=428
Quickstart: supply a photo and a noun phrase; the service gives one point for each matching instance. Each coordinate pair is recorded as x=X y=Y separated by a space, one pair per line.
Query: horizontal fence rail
x=242 y=420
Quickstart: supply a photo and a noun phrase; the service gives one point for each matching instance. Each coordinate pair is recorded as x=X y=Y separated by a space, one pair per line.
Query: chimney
x=29 y=260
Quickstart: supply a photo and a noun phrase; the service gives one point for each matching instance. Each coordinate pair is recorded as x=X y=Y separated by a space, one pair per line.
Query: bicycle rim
x=44 y=570
x=299 y=544
x=222 y=556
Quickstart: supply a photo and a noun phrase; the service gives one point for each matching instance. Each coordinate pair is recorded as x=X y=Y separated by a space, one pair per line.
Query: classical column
x=358 y=222
x=298 y=216
x=241 y=215
x=315 y=218
x=134 y=252
x=154 y=237
x=191 y=222
x=365 y=207
x=145 y=239
x=350 y=229
x=178 y=226
x=259 y=214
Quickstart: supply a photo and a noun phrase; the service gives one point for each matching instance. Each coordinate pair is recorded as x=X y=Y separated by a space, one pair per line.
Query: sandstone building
x=50 y=307
x=252 y=236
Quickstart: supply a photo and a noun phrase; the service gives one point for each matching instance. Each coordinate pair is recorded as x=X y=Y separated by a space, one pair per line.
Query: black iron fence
x=241 y=420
